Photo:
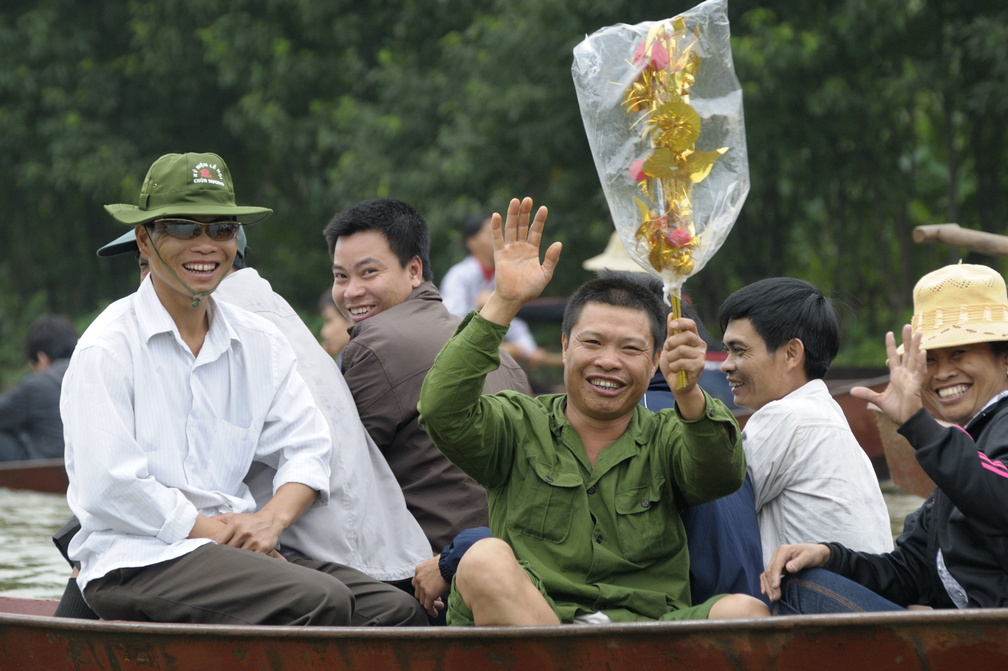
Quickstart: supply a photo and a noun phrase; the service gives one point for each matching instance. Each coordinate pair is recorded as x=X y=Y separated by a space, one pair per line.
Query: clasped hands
x=257 y=532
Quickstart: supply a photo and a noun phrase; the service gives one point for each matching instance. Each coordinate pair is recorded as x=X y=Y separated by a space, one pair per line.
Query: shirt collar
x=987 y=405
x=153 y=319
x=810 y=388
x=637 y=435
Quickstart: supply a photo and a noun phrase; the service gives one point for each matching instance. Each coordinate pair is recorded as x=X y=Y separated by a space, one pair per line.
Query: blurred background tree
x=864 y=118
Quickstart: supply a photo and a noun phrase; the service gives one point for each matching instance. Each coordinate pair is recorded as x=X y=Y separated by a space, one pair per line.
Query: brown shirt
x=384 y=364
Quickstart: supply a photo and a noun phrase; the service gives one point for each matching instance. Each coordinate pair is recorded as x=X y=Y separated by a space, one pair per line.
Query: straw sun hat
x=960 y=305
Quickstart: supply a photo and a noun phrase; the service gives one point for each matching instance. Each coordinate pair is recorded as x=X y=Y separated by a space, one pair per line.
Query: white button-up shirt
x=155 y=436
x=366 y=524
x=813 y=482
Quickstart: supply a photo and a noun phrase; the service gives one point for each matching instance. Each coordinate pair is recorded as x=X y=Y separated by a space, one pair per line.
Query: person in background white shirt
x=811 y=478
x=467 y=285
x=167 y=401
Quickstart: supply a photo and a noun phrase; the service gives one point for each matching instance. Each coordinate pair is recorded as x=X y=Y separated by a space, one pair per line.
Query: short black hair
x=403 y=228
x=54 y=335
x=472 y=225
x=620 y=292
x=326 y=301
x=999 y=347
x=782 y=308
x=657 y=287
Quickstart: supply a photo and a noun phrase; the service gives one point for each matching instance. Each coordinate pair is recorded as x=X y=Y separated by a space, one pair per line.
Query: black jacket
x=966 y=517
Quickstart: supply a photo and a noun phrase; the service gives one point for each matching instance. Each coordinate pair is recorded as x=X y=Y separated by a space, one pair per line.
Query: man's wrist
x=691 y=404
x=500 y=310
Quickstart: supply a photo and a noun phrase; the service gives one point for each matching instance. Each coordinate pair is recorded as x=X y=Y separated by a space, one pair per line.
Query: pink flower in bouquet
x=678 y=237
x=657 y=60
x=640 y=54
x=659 y=56
x=637 y=171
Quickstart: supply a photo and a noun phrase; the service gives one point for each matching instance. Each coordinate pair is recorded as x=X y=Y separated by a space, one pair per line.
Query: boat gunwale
x=972 y=617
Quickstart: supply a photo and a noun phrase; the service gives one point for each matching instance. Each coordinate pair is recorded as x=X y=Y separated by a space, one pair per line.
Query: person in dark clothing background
x=30 y=424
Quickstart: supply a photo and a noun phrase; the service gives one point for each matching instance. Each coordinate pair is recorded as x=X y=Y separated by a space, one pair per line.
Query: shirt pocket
x=222 y=458
x=642 y=522
x=543 y=506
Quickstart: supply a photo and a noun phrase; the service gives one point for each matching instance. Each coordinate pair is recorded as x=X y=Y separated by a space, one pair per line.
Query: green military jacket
x=608 y=538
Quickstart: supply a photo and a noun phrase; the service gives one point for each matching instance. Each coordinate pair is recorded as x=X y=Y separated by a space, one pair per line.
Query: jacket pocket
x=641 y=522
x=543 y=506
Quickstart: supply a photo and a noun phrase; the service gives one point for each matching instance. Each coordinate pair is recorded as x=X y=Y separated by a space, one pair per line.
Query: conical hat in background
x=614 y=257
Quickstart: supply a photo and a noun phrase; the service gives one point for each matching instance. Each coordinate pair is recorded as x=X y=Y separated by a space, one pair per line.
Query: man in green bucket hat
x=168 y=400
x=180 y=191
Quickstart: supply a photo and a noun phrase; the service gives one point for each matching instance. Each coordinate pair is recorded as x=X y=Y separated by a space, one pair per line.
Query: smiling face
x=608 y=362
x=961 y=379
x=368 y=278
x=200 y=263
x=755 y=375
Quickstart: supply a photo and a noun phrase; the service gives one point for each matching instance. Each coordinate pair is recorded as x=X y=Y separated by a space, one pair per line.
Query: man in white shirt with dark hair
x=811 y=478
x=168 y=400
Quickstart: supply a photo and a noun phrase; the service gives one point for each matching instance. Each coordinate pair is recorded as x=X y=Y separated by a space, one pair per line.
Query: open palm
x=518 y=274
x=907 y=370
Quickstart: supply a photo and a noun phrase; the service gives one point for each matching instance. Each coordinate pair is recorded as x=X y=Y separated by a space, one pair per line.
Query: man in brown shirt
x=382 y=280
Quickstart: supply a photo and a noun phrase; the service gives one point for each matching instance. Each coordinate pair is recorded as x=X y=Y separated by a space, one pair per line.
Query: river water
x=31 y=566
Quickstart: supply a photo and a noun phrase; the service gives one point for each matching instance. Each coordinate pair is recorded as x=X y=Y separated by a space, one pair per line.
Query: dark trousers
x=218 y=584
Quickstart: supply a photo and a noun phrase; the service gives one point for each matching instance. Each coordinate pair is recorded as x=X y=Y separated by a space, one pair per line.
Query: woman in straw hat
x=954 y=550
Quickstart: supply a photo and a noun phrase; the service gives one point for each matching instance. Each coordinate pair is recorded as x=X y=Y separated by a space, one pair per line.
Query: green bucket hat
x=179 y=185
x=127 y=244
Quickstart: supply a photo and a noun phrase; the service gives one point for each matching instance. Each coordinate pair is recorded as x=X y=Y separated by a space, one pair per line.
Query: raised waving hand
x=519 y=276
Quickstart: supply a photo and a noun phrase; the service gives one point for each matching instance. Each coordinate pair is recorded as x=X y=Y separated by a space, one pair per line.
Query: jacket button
x=645 y=504
x=598 y=539
x=549 y=478
x=591 y=490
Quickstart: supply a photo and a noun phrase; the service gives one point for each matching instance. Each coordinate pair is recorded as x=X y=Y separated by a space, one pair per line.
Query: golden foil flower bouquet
x=662 y=108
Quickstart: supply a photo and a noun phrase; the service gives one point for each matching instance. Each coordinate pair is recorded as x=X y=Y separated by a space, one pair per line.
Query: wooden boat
x=39 y=475
x=915 y=641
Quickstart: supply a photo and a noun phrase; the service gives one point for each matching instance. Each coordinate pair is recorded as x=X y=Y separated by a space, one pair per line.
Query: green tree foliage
x=864 y=119
x=861 y=121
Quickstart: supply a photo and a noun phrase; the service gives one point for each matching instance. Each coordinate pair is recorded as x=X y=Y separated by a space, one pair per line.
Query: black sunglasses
x=187 y=229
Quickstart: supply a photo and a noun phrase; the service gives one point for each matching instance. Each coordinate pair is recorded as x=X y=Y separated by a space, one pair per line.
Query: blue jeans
x=817 y=590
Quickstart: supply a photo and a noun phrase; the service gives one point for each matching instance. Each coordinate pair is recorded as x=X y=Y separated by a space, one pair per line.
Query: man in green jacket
x=585 y=488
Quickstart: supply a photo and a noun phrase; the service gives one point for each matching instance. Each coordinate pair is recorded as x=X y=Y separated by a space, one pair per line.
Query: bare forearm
x=288 y=504
x=691 y=403
x=260 y=531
